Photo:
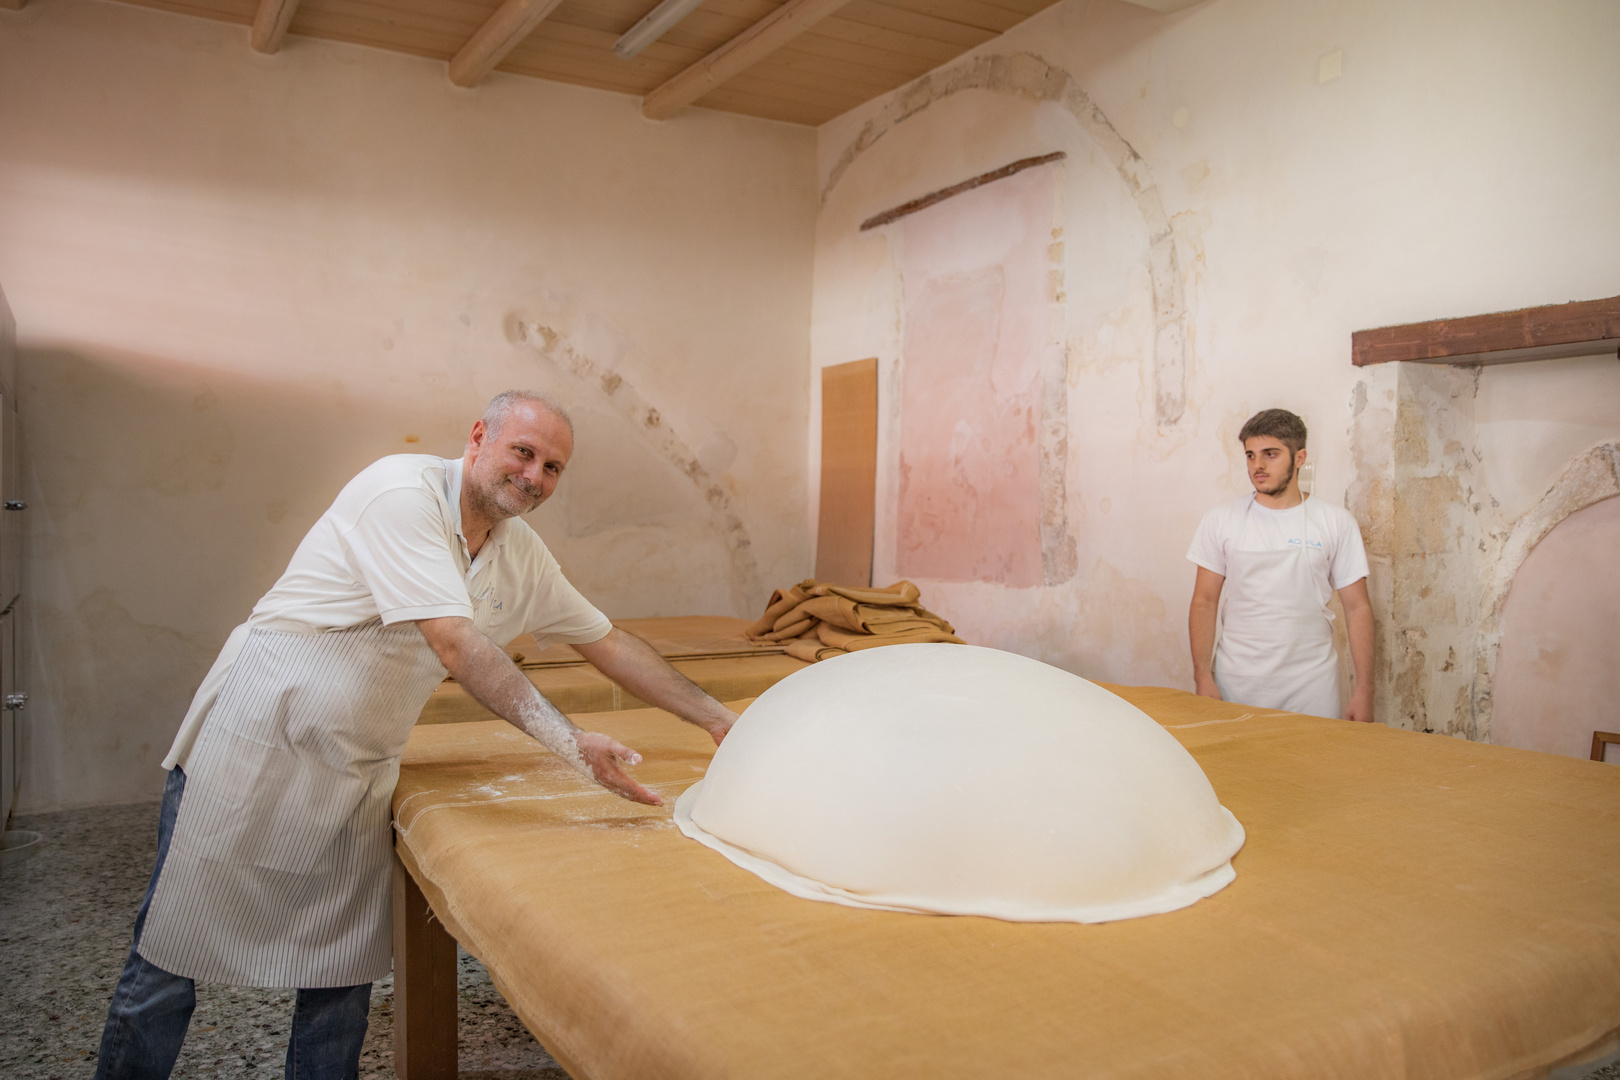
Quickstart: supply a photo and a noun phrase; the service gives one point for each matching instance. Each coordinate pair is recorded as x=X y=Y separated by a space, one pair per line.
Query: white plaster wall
x=238 y=279
x=1460 y=162
x=1531 y=420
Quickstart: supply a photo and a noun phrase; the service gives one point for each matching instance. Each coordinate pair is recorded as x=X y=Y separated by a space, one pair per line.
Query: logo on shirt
x=1296 y=542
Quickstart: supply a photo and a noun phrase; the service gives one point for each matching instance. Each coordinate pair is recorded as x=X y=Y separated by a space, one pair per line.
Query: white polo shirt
x=391 y=548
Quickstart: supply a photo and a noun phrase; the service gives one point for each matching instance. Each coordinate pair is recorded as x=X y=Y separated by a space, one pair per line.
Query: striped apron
x=278 y=869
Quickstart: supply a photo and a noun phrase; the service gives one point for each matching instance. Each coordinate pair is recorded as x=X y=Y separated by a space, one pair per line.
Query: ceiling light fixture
x=654 y=25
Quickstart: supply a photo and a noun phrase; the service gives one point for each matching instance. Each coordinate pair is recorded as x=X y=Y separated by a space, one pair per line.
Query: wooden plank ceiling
x=864 y=49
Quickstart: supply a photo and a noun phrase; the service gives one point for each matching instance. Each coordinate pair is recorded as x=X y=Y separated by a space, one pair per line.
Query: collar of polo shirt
x=497 y=534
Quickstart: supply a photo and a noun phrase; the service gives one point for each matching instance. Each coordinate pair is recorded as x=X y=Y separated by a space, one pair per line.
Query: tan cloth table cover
x=1406 y=906
x=708 y=649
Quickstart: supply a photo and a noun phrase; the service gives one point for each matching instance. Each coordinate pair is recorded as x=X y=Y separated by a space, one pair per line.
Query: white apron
x=1276 y=645
x=278 y=870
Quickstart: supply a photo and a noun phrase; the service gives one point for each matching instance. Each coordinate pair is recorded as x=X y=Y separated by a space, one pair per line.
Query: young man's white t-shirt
x=1337 y=555
x=390 y=548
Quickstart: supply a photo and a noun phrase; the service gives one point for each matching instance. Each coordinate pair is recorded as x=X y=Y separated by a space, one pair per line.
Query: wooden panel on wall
x=849 y=425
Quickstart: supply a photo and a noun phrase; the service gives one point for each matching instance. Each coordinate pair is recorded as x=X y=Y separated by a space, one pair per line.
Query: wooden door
x=849 y=425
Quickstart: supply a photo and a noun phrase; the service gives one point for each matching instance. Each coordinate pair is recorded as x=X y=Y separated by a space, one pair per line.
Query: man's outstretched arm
x=489 y=675
x=1201 y=630
x=637 y=667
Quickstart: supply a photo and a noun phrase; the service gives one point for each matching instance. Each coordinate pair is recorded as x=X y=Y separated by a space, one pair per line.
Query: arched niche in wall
x=641 y=519
x=1550 y=635
x=1031 y=78
x=1111 y=322
x=1558 y=665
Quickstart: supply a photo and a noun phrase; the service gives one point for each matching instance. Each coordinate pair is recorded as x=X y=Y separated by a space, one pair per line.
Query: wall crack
x=747 y=592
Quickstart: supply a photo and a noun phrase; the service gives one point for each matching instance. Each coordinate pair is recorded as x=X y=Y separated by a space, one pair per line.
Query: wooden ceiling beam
x=737 y=55
x=513 y=21
x=270 y=24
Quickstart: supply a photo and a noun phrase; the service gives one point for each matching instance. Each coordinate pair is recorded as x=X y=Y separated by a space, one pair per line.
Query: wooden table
x=1406 y=905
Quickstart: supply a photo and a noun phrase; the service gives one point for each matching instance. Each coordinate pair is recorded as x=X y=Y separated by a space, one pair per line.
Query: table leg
x=424 y=986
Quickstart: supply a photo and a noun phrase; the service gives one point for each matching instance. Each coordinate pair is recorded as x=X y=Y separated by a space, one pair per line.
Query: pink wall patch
x=977 y=338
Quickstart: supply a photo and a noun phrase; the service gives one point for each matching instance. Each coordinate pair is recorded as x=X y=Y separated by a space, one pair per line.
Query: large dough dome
x=965 y=781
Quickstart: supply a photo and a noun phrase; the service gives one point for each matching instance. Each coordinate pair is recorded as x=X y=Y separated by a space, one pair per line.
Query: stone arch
x=747 y=592
x=1589 y=479
x=1030 y=77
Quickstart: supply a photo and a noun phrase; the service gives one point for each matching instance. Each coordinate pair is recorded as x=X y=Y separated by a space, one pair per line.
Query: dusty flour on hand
x=551 y=729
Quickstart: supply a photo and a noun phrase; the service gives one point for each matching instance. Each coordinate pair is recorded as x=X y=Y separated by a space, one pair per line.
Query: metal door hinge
x=16 y=504
x=16 y=701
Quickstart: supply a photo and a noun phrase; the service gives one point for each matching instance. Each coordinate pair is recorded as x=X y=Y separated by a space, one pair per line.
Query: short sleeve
x=1208 y=546
x=557 y=610
x=1349 y=553
x=399 y=546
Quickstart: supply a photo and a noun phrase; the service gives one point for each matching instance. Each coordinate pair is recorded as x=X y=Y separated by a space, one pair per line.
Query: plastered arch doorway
x=1557 y=673
x=1025 y=75
x=1590 y=480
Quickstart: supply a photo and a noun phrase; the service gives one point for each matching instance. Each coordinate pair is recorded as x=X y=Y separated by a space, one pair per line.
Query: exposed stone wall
x=1434 y=551
x=1371 y=500
x=1443 y=548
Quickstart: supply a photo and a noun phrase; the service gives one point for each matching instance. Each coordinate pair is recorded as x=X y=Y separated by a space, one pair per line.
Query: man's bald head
x=500 y=407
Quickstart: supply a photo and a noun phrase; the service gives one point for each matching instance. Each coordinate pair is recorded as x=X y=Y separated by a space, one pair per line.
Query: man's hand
x=1360 y=708
x=607 y=758
x=1206 y=687
x=488 y=674
x=718 y=727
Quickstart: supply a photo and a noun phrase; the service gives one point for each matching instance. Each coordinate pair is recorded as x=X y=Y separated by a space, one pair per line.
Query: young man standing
x=1279 y=556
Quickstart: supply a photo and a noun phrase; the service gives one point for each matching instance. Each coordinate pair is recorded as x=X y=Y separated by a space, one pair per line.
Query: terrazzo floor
x=65 y=920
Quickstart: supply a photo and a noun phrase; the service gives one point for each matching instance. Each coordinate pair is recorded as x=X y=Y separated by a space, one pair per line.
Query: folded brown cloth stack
x=814 y=620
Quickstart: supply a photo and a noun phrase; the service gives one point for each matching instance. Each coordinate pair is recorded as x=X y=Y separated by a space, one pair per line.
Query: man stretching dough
x=274 y=869
x=1280 y=556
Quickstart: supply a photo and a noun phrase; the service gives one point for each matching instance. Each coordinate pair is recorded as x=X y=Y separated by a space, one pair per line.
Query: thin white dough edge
x=1177 y=896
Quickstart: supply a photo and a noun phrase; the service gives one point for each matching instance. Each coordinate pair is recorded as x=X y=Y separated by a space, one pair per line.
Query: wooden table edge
x=426 y=1013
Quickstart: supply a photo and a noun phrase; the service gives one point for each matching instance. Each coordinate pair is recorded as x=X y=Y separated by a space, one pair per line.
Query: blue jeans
x=151 y=1008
